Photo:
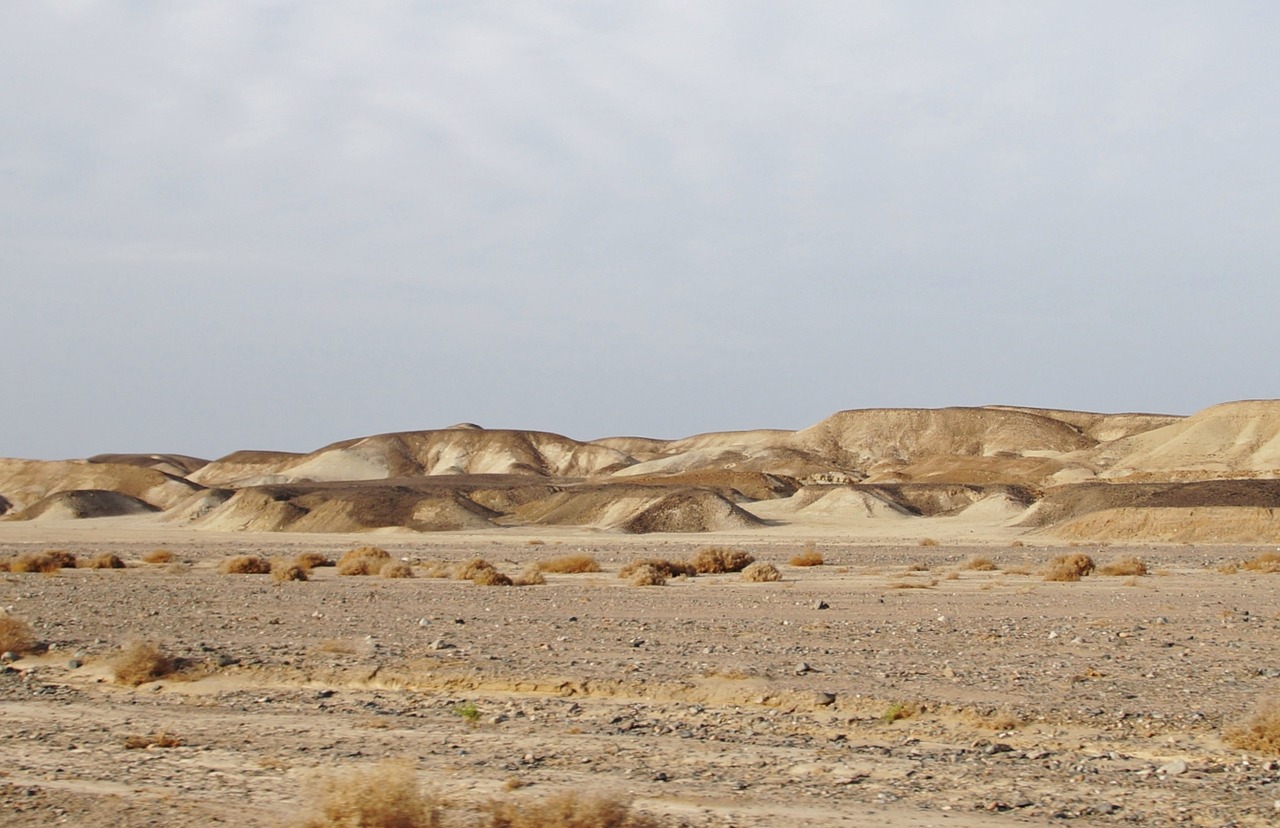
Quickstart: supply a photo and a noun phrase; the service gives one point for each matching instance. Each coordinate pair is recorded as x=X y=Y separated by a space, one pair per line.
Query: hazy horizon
x=276 y=225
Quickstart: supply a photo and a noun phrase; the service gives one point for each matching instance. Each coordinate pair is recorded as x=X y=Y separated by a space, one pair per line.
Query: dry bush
x=993 y=720
x=665 y=568
x=158 y=556
x=1260 y=732
x=712 y=560
x=1125 y=566
x=159 y=739
x=980 y=563
x=282 y=571
x=491 y=577
x=1017 y=544
x=566 y=810
x=104 y=560
x=384 y=796
x=436 y=569
x=646 y=575
x=245 y=565
x=531 y=576
x=1266 y=562
x=569 y=564
x=16 y=635
x=396 y=569
x=467 y=570
x=761 y=571
x=311 y=560
x=363 y=560
x=1071 y=567
x=918 y=567
x=808 y=557
x=140 y=662
x=51 y=560
x=901 y=710
x=929 y=584
x=928 y=542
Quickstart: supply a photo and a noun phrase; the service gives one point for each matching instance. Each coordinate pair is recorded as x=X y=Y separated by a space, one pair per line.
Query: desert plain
x=955 y=617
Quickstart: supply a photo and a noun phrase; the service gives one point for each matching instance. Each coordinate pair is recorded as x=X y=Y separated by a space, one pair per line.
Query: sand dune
x=1055 y=473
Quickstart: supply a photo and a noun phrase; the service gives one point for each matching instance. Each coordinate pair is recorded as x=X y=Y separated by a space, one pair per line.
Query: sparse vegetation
x=711 y=560
x=363 y=560
x=980 y=563
x=105 y=560
x=51 y=560
x=1071 y=567
x=140 y=662
x=286 y=570
x=531 y=576
x=1268 y=562
x=384 y=796
x=491 y=577
x=16 y=635
x=646 y=575
x=1260 y=731
x=761 y=571
x=158 y=556
x=245 y=565
x=569 y=564
x=159 y=739
x=396 y=569
x=468 y=570
x=898 y=711
x=1129 y=566
x=928 y=542
x=467 y=711
x=566 y=810
x=311 y=560
x=666 y=568
x=809 y=556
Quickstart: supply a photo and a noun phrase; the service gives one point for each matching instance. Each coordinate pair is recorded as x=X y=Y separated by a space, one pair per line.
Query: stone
x=1174 y=768
x=802 y=668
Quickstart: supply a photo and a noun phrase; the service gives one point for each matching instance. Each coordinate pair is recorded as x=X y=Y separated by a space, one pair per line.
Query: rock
x=821 y=605
x=440 y=644
x=824 y=699
x=1177 y=766
x=802 y=668
x=74 y=664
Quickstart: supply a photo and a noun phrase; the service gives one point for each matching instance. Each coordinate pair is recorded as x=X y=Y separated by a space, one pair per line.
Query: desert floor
x=889 y=686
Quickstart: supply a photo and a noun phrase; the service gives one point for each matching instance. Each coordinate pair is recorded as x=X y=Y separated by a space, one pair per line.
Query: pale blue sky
x=278 y=224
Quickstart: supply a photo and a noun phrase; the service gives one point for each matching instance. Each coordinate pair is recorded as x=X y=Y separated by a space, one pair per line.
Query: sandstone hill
x=884 y=473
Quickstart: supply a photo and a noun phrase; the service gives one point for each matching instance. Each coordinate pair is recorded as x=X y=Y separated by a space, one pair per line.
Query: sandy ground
x=889 y=686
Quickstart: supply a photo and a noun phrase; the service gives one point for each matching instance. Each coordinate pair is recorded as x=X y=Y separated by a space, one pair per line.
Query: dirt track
x=711 y=700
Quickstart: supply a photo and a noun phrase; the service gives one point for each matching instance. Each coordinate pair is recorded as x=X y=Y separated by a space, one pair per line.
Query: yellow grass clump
x=158 y=556
x=761 y=571
x=467 y=570
x=1259 y=732
x=1129 y=566
x=104 y=560
x=16 y=635
x=363 y=560
x=711 y=560
x=396 y=569
x=51 y=560
x=140 y=662
x=1266 y=562
x=569 y=564
x=567 y=810
x=491 y=577
x=531 y=576
x=311 y=560
x=980 y=563
x=665 y=568
x=646 y=575
x=245 y=565
x=928 y=542
x=1071 y=567
x=808 y=557
x=384 y=796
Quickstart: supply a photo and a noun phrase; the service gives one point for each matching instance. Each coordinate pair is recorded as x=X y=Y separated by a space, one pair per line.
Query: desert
x=909 y=617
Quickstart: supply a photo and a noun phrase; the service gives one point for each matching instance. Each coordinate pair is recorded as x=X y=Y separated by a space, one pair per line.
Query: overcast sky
x=230 y=225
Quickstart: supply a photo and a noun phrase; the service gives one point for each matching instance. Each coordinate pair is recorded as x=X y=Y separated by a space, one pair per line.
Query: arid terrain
x=914 y=657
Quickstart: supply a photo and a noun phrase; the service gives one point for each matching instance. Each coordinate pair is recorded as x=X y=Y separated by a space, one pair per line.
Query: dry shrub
x=363 y=560
x=282 y=571
x=1017 y=544
x=646 y=575
x=245 y=565
x=491 y=577
x=1124 y=567
x=311 y=560
x=158 y=556
x=993 y=720
x=665 y=568
x=436 y=569
x=531 y=576
x=16 y=635
x=929 y=584
x=569 y=564
x=980 y=563
x=384 y=796
x=918 y=567
x=928 y=542
x=711 y=560
x=808 y=557
x=105 y=560
x=159 y=739
x=396 y=569
x=1260 y=732
x=566 y=810
x=1266 y=562
x=51 y=560
x=468 y=570
x=761 y=571
x=1071 y=567
x=140 y=662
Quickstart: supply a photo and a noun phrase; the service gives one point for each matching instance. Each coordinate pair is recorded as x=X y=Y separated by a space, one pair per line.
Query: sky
x=274 y=225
